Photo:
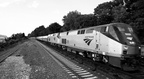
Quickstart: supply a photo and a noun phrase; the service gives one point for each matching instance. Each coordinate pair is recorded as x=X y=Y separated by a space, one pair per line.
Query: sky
x=23 y=16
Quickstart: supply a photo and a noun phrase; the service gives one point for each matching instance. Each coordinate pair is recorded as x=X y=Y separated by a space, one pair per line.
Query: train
x=116 y=44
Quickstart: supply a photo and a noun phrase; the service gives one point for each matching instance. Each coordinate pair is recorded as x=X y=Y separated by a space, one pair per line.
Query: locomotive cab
x=125 y=35
x=122 y=45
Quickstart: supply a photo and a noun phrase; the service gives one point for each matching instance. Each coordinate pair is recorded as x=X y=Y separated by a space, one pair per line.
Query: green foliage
x=39 y=31
x=104 y=13
x=70 y=21
x=54 y=28
x=15 y=38
x=18 y=36
x=104 y=8
x=120 y=14
x=42 y=31
x=86 y=21
x=75 y=20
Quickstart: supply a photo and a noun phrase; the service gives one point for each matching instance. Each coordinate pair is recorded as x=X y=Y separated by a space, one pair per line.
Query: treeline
x=41 y=30
x=125 y=11
x=15 y=38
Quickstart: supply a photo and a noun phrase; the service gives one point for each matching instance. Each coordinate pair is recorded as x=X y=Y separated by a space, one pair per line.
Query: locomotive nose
x=132 y=44
x=129 y=39
x=131 y=50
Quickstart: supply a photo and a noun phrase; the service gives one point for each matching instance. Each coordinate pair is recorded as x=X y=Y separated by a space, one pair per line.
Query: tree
x=39 y=31
x=75 y=20
x=120 y=14
x=104 y=8
x=54 y=28
x=86 y=21
x=103 y=12
x=69 y=20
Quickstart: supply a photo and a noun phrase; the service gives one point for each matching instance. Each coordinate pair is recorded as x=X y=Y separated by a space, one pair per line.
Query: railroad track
x=112 y=72
x=5 y=54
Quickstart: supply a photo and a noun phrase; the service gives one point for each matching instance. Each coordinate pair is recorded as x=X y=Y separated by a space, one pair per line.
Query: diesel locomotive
x=114 y=43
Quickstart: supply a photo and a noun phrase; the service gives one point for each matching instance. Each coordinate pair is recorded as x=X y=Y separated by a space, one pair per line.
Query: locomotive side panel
x=103 y=43
x=82 y=41
x=109 y=46
x=44 y=38
x=56 y=38
x=51 y=38
x=115 y=48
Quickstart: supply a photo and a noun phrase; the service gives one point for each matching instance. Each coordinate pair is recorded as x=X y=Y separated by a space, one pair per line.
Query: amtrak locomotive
x=115 y=43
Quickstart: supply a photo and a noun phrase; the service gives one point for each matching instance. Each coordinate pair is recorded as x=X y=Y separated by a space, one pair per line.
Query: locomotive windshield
x=125 y=29
x=113 y=33
x=126 y=34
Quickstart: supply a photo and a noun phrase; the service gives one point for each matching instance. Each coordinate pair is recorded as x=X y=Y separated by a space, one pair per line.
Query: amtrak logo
x=88 y=41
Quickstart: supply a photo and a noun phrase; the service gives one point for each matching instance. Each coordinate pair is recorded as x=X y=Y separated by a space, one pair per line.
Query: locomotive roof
x=95 y=26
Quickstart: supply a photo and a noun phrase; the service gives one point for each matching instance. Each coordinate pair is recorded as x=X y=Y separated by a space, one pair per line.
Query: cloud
x=9 y=2
x=34 y=4
x=18 y=1
x=5 y=4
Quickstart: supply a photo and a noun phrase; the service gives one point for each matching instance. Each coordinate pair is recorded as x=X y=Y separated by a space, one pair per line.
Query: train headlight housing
x=132 y=42
x=125 y=47
x=125 y=52
x=139 y=47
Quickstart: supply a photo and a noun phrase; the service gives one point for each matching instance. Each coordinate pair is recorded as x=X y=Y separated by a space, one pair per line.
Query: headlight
x=139 y=47
x=125 y=52
x=125 y=47
x=132 y=42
